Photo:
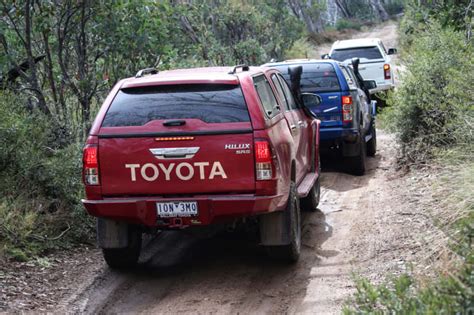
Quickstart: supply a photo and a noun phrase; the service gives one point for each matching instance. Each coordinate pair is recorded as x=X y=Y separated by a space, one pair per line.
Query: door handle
x=300 y=123
x=292 y=127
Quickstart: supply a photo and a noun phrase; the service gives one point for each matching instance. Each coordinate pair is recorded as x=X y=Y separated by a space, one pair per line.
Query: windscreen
x=211 y=103
x=316 y=77
x=368 y=53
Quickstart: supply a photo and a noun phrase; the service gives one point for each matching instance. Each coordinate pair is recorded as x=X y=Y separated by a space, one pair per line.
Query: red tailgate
x=140 y=166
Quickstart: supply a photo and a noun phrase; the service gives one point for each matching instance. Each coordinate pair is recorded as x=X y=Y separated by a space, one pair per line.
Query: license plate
x=177 y=209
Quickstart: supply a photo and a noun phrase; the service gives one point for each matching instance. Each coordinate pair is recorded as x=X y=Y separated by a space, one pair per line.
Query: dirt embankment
x=368 y=225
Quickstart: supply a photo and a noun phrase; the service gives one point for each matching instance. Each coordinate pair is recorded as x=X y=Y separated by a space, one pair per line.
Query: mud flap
x=275 y=229
x=373 y=105
x=350 y=149
x=112 y=234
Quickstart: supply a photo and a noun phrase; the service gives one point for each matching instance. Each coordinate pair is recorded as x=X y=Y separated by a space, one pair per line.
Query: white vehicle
x=374 y=60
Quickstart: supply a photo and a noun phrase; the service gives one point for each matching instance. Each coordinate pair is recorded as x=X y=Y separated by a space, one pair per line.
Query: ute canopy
x=211 y=103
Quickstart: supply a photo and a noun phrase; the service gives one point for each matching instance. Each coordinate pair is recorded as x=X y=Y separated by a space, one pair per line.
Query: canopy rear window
x=316 y=77
x=211 y=103
x=369 y=53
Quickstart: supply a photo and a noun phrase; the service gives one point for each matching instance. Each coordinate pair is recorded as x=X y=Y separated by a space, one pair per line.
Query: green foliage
x=300 y=49
x=360 y=9
x=433 y=107
x=433 y=114
x=41 y=186
x=394 y=7
x=456 y=14
x=449 y=295
x=344 y=24
x=224 y=33
x=453 y=291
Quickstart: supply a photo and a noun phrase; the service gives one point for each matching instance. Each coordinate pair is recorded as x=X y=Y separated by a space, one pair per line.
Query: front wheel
x=127 y=257
x=291 y=252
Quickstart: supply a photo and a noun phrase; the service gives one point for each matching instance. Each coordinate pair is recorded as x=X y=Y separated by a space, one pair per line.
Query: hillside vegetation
x=432 y=113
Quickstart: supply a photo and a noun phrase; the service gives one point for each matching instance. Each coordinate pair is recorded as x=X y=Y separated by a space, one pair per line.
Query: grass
x=450 y=204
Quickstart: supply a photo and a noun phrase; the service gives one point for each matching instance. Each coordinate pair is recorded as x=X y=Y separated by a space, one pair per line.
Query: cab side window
x=280 y=92
x=267 y=98
x=289 y=96
x=351 y=81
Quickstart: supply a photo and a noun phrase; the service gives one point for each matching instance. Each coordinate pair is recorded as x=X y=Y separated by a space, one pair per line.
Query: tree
x=379 y=10
x=19 y=20
x=88 y=45
x=309 y=12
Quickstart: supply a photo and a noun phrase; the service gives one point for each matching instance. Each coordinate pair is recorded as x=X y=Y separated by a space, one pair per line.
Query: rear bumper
x=338 y=135
x=345 y=139
x=211 y=209
x=382 y=88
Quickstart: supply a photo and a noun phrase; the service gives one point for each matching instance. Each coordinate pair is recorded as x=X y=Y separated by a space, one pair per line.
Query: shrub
x=344 y=24
x=394 y=7
x=300 y=49
x=41 y=183
x=432 y=113
x=452 y=292
x=433 y=107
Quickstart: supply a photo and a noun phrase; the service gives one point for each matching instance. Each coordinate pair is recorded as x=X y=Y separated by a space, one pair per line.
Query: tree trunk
x=301 y=11
x=379 y=10
x=342 y=5
x=33 y=77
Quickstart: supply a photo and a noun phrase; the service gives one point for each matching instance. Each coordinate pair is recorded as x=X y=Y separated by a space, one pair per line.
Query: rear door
x=177 y=139
x=298 y=120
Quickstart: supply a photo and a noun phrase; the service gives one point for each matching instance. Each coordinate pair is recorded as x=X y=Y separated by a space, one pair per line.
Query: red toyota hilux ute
x=197 y=147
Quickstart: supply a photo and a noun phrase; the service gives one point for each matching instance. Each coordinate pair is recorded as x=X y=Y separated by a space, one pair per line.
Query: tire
x=372 y=144
x=357 y=163
x=291 y=252
x=311 y=202
x=125 y=258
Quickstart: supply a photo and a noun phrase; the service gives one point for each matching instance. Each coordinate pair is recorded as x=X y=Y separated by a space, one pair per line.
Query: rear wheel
x=372 y=144
x=291 y=252
x=357 y=163
x=127 y=257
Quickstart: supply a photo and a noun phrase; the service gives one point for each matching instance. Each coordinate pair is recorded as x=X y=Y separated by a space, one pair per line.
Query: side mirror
x=392 y=51
x=311 y=100
x=370 y=84
x=325 y=56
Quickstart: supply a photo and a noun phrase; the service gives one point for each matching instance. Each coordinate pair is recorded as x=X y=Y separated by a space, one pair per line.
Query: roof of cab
x=301 y=61
x=205 y=75
x=360 y=42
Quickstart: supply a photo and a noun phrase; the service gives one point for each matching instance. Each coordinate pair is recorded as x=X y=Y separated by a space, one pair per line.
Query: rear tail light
x=90 y=165
x=346 y=109
x=386 y=71
x=263 y=160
